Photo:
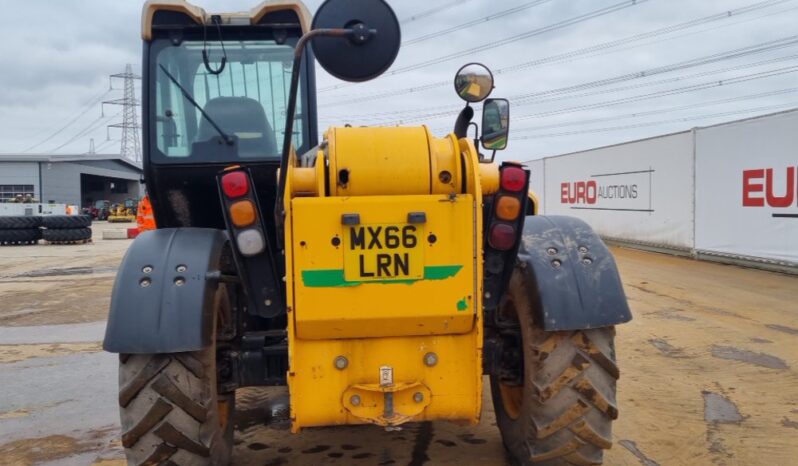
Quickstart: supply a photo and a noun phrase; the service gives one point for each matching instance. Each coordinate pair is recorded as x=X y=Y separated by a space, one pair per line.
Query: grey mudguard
x=571 y=276
x=151 y=311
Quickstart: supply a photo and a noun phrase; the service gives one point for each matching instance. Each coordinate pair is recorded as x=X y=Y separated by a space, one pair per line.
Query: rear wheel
x=171 y=410
x=555 y=398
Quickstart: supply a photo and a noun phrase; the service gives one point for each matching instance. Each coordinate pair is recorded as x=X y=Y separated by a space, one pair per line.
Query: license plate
x=383 y=252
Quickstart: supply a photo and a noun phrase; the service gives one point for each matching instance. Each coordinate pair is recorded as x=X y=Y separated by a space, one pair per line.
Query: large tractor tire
x=66 y=221
x=559 y=409
x=20 y=236
x=19 y=222
x=67 y=236
x=170 y=408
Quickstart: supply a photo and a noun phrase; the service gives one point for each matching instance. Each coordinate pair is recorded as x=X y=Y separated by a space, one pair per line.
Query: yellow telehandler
x=380 y=272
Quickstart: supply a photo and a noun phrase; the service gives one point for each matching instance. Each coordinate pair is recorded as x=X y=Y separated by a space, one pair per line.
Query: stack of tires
x=19 y=229
x=59 y=229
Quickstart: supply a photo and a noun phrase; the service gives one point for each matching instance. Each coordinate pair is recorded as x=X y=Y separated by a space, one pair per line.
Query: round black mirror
x=359 y=57
x=473 y=82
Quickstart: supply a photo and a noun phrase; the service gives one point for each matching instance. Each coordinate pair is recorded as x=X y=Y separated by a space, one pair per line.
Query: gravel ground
x=709 y=368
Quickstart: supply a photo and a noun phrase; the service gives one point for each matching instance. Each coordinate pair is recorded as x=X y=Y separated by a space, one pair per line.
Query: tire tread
x=20 y=222
x=181 y=422
x=60 y=222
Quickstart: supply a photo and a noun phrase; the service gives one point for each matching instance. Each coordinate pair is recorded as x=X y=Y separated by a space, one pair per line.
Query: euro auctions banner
x=747 y=188
x=640 y=191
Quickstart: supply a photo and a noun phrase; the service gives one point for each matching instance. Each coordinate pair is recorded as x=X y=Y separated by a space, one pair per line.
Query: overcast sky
x=57 y=55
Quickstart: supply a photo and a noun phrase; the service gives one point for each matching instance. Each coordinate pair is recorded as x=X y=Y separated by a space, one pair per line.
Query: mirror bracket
x=361 y=34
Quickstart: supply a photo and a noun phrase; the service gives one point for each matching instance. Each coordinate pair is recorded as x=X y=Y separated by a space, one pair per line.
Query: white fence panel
x=537 y=182
x=747 y=188
x=640 y=191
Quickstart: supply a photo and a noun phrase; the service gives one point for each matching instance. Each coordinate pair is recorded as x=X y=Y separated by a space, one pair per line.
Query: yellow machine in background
x=123 y=213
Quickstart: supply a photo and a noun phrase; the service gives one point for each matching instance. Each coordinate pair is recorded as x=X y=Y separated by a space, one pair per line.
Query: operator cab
x=215 y=93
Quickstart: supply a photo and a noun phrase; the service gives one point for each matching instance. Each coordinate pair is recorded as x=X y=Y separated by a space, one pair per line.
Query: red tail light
x=502 y=236
x=513 y=179
x=235 y=184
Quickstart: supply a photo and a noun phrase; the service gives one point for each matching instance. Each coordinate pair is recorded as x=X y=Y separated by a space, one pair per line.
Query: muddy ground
x=709 y=373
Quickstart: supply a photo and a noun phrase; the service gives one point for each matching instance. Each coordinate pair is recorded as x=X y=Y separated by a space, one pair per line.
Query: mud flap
x=162 y=299
x=572 y=278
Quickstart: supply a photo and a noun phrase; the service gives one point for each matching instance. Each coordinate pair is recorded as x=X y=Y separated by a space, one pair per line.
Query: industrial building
x=69 y=179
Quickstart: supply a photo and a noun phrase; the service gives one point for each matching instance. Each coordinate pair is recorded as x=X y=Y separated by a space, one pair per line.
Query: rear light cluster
x=239 y=200
x=508 y=207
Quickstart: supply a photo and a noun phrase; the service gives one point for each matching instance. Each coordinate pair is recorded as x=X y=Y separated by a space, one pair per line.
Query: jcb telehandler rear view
x=379 y=273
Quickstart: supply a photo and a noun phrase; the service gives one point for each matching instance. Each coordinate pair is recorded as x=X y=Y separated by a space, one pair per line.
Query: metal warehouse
x=69 y=179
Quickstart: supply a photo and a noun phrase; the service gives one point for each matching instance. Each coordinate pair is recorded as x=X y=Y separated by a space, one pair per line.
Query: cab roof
x=200 y=16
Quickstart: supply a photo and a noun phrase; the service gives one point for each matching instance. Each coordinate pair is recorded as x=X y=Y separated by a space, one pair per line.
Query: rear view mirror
x=495 y=123
x=473 y=82
x=367 y=53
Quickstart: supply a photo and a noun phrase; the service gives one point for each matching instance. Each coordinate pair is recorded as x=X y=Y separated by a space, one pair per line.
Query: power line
x=92 y=102
x=758 y=95
x=93 y=126
x=474 y=22
x=431 y=11
x=674 y=79
x=683 y=65
x=653 y=95
x=525 y=35
x=661 y=122
x=646 y=35
x=583 y=52
x=560 y=94
x=665 y=93
x=106 y=144
x=515 y=38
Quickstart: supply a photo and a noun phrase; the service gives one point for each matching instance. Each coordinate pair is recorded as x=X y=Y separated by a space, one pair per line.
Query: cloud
x=57 y=57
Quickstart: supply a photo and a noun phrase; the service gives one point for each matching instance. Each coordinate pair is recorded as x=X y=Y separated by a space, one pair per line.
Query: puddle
x=63 y=271
x=760 y=340
x=632 y=447
x=666 y=348
x=279 y=461
x=672 y=315
x=720 y=410
x=67 y=333
x=423 y=439
x=783 y=328
x=749 y=357
x=786 y=422
x=55 y=448
x=469 y=439
x=259 y=407
x=316 y=449
x=21 y=352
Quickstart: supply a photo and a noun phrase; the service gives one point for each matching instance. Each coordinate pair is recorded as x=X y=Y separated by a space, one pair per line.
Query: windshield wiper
x=188 y=97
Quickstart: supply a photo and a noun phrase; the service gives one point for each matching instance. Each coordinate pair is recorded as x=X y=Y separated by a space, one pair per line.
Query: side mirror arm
x=358 y=34
x=463 y=121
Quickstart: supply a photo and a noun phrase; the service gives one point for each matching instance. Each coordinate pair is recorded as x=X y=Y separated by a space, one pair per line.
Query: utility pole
x=131 y=143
